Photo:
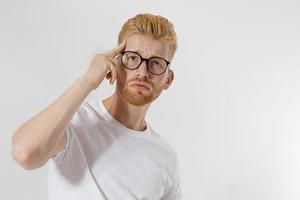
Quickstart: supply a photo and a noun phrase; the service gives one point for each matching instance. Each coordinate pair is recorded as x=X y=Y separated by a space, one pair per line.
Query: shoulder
x=170 y=153
x=172 y=172
x=86 y=112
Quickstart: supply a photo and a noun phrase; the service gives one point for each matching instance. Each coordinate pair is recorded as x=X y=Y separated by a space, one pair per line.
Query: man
x=106 y=149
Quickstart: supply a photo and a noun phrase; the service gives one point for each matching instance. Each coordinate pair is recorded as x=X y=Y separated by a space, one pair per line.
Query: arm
x=44 y=135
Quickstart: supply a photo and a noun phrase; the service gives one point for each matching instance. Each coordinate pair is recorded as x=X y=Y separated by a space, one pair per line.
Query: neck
x=129 y=115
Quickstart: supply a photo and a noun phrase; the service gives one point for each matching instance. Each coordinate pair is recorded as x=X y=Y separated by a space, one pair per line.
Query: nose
x=142 y=71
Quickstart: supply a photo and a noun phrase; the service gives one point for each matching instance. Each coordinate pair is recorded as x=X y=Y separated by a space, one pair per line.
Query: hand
x=104 y=65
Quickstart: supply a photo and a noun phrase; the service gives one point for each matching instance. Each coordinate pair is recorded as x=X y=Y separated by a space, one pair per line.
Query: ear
x=169 y=80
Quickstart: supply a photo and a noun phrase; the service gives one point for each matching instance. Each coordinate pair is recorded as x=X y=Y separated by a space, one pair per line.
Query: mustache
x=144 y=79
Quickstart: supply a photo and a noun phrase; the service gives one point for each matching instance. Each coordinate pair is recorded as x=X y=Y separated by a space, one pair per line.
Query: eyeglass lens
x=132 y=60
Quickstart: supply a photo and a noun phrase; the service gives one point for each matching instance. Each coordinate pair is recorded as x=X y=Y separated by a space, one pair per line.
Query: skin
x=44 y=135
x=130 y=115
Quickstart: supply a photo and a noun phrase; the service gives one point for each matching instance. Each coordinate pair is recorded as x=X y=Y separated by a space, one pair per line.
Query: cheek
x=121 y=74
x=162 y=79
x=159 y=83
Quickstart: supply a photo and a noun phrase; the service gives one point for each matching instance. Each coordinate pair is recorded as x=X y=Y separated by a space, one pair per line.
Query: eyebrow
x=138 y=51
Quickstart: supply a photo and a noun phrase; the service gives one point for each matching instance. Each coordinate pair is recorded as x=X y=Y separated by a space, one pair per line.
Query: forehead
x=146 y=46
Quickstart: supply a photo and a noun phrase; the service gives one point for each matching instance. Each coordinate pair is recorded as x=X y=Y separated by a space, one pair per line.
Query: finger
x=113 y=75
x=108 y=75
x=117 y=56
x=112 y=71
x=113 y=60
x=114 y=52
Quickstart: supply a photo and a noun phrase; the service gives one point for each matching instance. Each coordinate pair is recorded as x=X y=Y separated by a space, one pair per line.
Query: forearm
x=36 y=140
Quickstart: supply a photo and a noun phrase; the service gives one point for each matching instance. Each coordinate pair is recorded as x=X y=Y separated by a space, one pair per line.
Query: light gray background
x=232 y=113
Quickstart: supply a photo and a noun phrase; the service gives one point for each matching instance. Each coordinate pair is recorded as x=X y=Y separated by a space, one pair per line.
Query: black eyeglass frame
x=144 y=59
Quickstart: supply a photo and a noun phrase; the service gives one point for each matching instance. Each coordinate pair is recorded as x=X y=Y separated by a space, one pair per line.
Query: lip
x=140 y=85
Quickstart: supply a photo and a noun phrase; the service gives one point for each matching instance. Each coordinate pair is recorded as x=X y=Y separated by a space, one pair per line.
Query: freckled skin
x=147 y=48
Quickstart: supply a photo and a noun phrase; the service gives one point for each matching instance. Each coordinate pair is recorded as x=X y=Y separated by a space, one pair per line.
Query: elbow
x=23 y=157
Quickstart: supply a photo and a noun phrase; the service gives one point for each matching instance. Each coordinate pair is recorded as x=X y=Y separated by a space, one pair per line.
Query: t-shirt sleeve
x=174 y=191
x=60 y=156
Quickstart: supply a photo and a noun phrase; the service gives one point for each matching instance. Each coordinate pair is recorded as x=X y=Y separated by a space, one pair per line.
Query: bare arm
x=43 y=136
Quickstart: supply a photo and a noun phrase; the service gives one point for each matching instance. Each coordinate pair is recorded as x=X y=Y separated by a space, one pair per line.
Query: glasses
x=132 y=60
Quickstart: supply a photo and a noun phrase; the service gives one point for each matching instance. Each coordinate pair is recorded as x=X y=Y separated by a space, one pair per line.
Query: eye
x=132 y=58
x=156 y=63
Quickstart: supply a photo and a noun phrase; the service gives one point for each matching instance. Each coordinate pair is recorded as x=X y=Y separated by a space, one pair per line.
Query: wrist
x=86 y=83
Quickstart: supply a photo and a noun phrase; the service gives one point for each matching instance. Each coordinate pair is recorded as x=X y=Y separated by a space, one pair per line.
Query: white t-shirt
x=103 y=159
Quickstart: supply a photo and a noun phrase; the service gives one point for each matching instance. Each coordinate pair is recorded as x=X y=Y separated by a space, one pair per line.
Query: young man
x=106 y=149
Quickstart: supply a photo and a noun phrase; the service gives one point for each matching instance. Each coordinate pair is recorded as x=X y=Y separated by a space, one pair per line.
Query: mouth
x=139 y=85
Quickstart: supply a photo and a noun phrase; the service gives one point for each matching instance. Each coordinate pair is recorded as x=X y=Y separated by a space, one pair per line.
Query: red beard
x=136 y=97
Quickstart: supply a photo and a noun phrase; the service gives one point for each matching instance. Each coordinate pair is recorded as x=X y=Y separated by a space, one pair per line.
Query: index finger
x=114 y=52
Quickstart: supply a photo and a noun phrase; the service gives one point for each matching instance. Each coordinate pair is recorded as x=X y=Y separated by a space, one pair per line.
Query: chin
x=137 y=98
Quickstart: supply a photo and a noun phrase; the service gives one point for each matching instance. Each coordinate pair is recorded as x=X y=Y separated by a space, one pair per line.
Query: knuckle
x=98 y=55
